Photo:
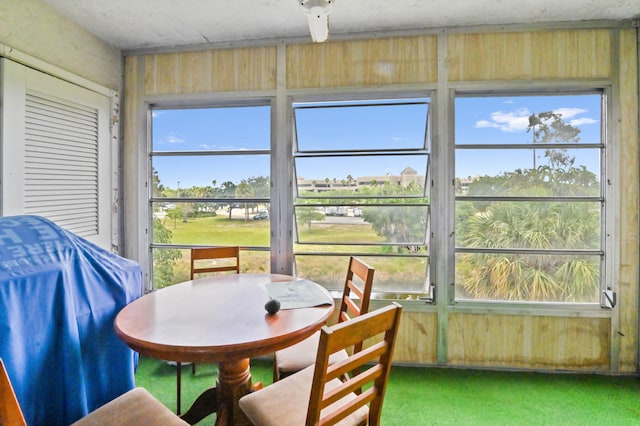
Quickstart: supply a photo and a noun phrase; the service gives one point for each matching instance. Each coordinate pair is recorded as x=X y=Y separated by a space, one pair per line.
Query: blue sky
x=497 y=120
x=485 y=120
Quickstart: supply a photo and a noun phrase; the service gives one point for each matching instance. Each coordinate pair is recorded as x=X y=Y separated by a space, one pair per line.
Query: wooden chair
x=10 y=411
x=355 y=302
x=200 y=255
x=136 y=407
x=214 y=254
x=319 y=394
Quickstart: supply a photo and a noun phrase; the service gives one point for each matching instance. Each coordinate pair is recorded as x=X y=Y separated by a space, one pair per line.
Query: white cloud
x=484 y=123
x=208 y=147
x=518 y=120
x=582 y=120
x=514 y=121
x=174 y=139
x=566 y=113
x=398 y=139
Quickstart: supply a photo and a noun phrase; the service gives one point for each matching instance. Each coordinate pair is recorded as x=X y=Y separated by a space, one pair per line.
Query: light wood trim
x=417 y=342
x=628 y=179
x=512 y=341
x=211 y=71
x=565 y=54
x=399 y=60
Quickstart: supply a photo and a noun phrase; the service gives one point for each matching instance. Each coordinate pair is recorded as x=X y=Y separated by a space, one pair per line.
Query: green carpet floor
x=438 y=396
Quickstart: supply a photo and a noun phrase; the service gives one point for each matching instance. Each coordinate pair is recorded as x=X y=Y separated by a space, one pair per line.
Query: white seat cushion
x=136 y=407
x=285 y=402
x=301 y=355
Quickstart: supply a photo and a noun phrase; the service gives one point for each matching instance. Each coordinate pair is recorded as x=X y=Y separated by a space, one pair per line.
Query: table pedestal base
x=234 y=381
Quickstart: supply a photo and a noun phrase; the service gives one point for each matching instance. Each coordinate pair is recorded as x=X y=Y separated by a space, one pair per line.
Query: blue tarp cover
x=59 y=295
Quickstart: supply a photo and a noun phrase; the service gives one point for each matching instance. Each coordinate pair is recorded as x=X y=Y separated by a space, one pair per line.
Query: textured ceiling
x=140 y=24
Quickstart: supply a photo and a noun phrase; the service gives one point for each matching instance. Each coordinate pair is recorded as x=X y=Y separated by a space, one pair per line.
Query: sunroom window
x=210 y=186
x=530 y=198
x=361 y=169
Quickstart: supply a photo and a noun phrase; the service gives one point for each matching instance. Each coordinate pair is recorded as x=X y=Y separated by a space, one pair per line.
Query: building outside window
x=361 y=169
x=528 y=210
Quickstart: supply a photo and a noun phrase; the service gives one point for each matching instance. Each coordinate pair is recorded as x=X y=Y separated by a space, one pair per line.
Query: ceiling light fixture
x=318 y=17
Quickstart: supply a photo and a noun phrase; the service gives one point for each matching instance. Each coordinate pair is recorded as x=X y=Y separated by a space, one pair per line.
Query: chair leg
x=178 y=383
x=193 y=368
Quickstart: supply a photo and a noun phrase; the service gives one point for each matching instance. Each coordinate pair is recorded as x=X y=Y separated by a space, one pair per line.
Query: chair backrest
x=355 y=300
x=370 y=366
x=10 y=411
x=232 y=254
x=350 y=306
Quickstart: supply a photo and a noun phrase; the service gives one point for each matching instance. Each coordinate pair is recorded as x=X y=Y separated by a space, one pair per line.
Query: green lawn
x=328 y=270
x=220 y=230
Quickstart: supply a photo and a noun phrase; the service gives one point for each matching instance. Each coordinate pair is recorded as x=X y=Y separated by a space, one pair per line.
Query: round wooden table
x=219 y=319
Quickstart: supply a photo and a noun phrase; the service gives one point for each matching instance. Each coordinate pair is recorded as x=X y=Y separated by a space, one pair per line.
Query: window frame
x=608 y=195
x=370 y=98
x=150 y=199
x=442 y=101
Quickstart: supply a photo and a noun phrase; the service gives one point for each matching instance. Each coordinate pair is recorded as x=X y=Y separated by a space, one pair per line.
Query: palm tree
x=244 y=190
x=530 y=276
x=522 y=235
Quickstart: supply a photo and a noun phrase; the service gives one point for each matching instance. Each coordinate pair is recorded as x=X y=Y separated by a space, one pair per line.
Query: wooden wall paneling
x=242 y=69
x=161 y=74
x=571 y=54
x=416 y=344
x=298 y=76
x=490 y=340
x=544 y=58
x=400 y=60
x=417 y=338
x=515 y=341
x=223 y=70
x=134 y=165
x=628 y=178
x=505 y=56
x=261 y=76
x=195 y=72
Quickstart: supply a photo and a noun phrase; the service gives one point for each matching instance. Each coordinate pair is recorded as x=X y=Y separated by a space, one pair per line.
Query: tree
x=227 y=190
x=157 y=189
x=163 y=259
x=308 y=215
x=261 y=185
x=549 y=127
x=530 y=226
x=398 y=224
x=174 y=214
x=244 y=190
x=522 y=276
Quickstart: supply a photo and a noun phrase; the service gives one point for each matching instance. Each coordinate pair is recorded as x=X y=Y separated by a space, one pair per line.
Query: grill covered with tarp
x=59 y=295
